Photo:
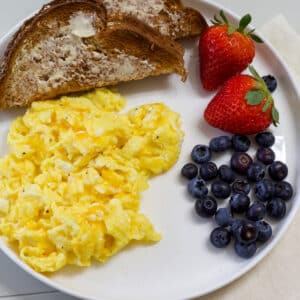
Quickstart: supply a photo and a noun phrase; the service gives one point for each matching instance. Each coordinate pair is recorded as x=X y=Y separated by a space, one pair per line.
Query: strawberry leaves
x=275 y=116
x=256 y=38
x=223 y=17
x=261 y=93
x=243 y=24
x=217 y=21
x=255 y=97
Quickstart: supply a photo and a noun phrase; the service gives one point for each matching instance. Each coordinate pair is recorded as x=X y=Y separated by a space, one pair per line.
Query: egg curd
x=70 y=188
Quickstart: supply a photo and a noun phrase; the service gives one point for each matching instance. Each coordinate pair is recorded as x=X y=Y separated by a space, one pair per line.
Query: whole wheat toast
x=170 y=17
x=71 y=46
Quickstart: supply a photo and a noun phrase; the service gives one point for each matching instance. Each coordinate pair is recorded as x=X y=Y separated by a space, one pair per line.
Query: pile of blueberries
x=243 y=219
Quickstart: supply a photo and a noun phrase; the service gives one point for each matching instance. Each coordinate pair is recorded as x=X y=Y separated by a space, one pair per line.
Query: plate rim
x=255 y=260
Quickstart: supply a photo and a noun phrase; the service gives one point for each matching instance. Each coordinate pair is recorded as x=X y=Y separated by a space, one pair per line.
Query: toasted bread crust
x=142 y=51
x=28 y=25
x=170 y=17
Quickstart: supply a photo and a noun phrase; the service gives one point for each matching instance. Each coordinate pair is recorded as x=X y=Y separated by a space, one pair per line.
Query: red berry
x=225 y=51
x=223 y=56
x=242 y=106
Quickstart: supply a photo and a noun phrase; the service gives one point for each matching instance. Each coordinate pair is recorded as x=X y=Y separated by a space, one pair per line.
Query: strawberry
x=225 y=51
x=242 y=106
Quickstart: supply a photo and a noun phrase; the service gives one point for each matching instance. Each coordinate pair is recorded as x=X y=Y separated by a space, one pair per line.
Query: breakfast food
x=225 y=50
x=271 y=195
x=169 y=17
x=243 y=105
x=70 y=188
x=271 y=82
x=71 y=46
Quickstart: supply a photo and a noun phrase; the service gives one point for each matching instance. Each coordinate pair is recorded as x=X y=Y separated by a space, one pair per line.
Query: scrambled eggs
x=70 y=188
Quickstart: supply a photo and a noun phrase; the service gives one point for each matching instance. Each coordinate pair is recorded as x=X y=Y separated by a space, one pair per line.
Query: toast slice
x=170 y=17
x=70 y=46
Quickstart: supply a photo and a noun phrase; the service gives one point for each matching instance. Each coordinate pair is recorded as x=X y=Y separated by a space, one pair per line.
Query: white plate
x=183 y=264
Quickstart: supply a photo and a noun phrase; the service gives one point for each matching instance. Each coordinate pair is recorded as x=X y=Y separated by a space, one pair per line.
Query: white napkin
x=286 y=41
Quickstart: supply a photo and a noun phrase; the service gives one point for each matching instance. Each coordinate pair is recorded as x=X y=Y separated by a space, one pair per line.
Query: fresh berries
x=223 y=216
x=189 y=171
x=283 y=190
x=265 y=139
x=264 y=190
x=239 y=203
x=278 y=171
x=240 y=143
x=220 y=237
x=197 y=188
x=264 y=231
x=241 y=186
x=271 y=82
x=256 y=211
x=236 y=225
x=246 y=233
x=256 y=172
x=220 y=144
x=243 y=105
x=206 y=207
x=245 y=250
x=220 y=189
x=265 y=155
x=201 y=154
x=240 y=162
x=264 y=176
x=225 y=51
x=209 y=171
x=276 y=208
x=226 y=174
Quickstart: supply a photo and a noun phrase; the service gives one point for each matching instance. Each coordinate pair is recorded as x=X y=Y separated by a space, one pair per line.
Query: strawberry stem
x=256 y=96
x=244 y=22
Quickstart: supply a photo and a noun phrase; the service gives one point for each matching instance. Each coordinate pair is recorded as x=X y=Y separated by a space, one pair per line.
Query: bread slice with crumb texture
x=71 y=46
x=170 y=17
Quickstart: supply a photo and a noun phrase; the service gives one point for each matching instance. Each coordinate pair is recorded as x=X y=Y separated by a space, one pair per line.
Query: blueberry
x=220 y=237
x=220 y=144
x=241 y=186
x=197 y=188
x=239 y=202
x=265 y=139
x=245 y=250
x=236 y=225
x=209 y=171
x=278 y=170
x=284 y=190
x=240 y=143
x=264 y=190
x=226 y=174
x=271 y=82
x=265 y=155
x=189 y=171
x=206 y=207
x=256 y=211
x=201 y=154
x=247 y=233
x=220 y=189
x=264 y=231
x=256 y=172
x=223 y=217
x=276 y=208
x=240 y=162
